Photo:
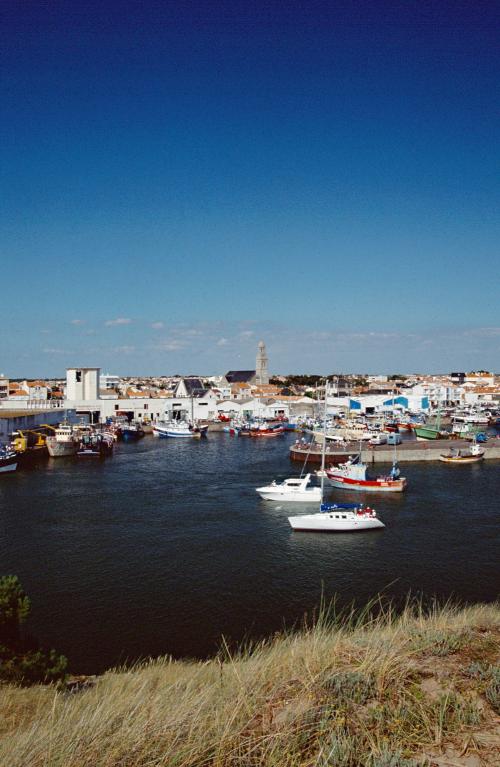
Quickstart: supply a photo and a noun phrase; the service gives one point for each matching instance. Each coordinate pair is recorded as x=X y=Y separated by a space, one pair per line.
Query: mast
x=438 y=422
x=323 y=452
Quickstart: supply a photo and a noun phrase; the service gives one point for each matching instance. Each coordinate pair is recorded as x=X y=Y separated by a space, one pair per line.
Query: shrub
x=22 y=661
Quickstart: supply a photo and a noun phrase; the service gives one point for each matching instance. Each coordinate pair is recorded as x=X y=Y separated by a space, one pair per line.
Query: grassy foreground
x=395 y=691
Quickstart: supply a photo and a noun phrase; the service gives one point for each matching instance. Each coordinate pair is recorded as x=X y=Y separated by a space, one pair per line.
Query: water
x=166 y=546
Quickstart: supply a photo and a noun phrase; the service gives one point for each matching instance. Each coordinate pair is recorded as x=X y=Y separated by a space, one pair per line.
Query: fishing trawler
x=353 y=475
x=64 y=442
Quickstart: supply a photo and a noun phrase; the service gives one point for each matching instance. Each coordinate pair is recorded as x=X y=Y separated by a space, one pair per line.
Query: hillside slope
x=392 y=692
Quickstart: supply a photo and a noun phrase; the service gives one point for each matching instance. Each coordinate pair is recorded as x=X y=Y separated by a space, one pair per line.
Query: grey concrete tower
x=261 y=371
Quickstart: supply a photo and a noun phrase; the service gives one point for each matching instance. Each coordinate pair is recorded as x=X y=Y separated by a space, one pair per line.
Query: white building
x=4 y=387
x=370 y=404
x=82 y=384
x=200 y=408
x=108 y=381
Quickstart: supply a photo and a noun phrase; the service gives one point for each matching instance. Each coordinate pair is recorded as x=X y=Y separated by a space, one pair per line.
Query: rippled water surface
x=166 y=546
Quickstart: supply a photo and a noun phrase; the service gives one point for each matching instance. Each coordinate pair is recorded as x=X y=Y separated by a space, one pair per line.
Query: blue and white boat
x=8 y=459
x=179 y=428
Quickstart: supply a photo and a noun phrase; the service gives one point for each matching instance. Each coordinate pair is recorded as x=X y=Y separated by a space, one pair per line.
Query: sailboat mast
x=323 y=453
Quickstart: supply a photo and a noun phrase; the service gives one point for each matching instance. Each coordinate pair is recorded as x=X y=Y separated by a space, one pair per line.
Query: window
x=78 y=376
x=146 y=407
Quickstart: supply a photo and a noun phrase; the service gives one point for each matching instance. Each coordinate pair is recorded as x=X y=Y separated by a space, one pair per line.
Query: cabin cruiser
x=296 y=489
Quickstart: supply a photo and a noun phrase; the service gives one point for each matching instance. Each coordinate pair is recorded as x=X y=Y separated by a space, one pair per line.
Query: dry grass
x=392 y=691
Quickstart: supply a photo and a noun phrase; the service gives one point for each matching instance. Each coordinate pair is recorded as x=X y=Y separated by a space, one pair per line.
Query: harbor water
x=166 y=547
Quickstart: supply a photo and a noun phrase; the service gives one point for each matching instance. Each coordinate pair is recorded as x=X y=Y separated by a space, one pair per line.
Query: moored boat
x=64 y=442
x=456 y=457
x=132 y=432
x=95 y=446
x=8 y=459
x=179 y=428
x=266 y=431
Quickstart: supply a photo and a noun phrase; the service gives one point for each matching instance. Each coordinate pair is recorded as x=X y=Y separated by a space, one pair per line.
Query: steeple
x=261 y=372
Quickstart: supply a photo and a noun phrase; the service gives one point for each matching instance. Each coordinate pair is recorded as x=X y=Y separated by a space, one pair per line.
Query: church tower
x=261 y=372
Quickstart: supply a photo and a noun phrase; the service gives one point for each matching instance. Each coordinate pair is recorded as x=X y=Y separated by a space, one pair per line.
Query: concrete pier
x=413 y=450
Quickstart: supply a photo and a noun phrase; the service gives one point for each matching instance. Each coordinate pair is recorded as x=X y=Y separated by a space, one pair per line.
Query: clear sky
x=181 y=179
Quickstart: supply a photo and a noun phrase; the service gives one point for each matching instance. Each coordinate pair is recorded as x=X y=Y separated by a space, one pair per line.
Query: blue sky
x=180 y=180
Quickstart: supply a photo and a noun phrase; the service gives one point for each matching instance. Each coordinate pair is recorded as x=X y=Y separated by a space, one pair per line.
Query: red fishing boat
x=352 y=476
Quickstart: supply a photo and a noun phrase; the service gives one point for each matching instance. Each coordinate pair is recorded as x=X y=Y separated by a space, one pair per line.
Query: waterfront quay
x=411 y=450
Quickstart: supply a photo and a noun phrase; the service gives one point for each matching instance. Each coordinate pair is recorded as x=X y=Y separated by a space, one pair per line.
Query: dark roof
x=194 y=387
x=240 y=376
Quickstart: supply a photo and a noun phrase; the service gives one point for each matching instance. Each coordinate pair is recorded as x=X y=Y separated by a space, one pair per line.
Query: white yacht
x=296 y=489
x=338 y=518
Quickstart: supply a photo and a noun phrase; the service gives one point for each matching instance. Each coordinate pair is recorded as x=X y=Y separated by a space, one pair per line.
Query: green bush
x=22 y=661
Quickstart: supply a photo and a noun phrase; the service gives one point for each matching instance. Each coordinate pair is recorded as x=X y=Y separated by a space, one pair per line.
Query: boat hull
x=307 y=497
x=462 y=459
x=324 y=523
x=129 y=435
x=166 y=433
x=368 y=486
x=61 y=449
x=425 y=432
x=271 y=433
x=8 y=464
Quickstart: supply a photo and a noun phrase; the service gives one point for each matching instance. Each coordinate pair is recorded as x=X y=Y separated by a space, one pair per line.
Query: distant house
x=240 y=390
x=190 y=387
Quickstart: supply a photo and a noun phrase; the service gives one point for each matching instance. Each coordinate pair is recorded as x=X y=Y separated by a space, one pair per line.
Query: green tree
x=14 y=609
x=22 y=661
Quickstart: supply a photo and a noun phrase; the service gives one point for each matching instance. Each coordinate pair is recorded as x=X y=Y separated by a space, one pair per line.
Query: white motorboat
x=338 y=518
x=178 y=428
x=296 y=489
x=335 y=518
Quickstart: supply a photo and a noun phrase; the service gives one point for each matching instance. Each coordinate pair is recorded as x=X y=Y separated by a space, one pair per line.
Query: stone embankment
x=411 y=450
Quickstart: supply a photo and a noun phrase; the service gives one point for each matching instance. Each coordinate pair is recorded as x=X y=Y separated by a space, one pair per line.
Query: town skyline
x=133 y=348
